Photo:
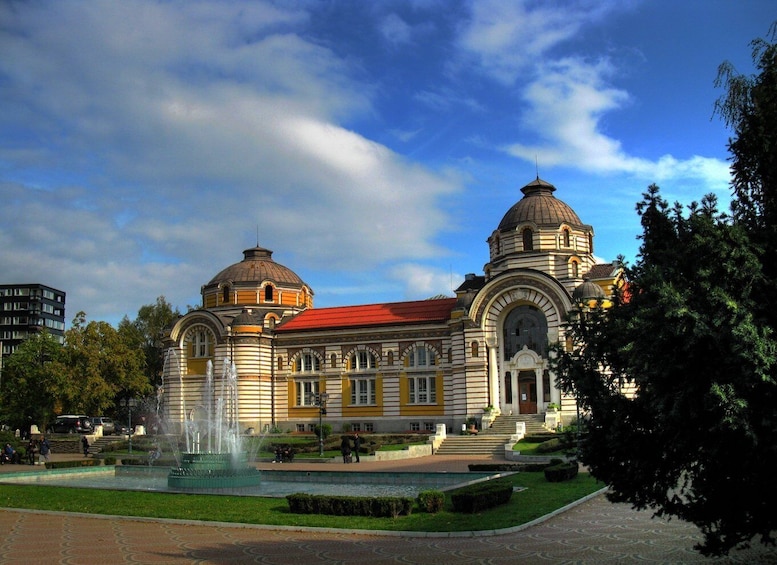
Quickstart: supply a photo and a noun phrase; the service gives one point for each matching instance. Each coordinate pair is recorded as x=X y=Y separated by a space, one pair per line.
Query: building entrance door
x=527 y=392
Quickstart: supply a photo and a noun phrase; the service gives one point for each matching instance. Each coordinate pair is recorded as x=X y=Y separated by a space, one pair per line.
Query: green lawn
x=539 y=498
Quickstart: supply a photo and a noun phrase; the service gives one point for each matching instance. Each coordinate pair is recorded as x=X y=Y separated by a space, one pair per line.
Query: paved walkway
x=595 y=531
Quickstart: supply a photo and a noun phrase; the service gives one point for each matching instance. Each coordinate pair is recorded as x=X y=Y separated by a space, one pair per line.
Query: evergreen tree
x=694 y=341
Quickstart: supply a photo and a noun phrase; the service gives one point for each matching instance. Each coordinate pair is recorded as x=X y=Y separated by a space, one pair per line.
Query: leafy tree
x=147 y=332
x=103 y=364
x=694 y=342
x=34 y=380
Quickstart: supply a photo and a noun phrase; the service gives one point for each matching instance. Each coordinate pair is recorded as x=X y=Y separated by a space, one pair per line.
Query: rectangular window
x=356 y=427
x=363 y=391
x=415 y=427
x=422 y=390
x=369 y=427
x=429 y=427
x=307 y=393
x=300 y=427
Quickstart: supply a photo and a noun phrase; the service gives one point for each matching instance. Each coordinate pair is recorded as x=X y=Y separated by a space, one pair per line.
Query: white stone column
x=493 y=371
x=540 y=389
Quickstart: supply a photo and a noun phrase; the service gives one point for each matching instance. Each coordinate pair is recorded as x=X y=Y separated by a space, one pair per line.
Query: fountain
x=223 y=464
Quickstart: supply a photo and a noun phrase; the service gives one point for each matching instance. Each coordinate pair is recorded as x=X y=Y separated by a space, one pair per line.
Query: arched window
x=528 y=239
x=307 y=363
x=364 y=384
x=333 y=361
x=390 y=360
x=200 y=343
x=590 y=243
x=268 y=293
x=306 y=382
x=474 y=347
x=575 y=269
x=225 y=298
x=525 y=325
x=280 y=363
x=363 y=361
x=421 y=377
x=566 y=237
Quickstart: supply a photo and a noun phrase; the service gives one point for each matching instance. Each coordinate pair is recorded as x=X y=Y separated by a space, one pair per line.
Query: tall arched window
x=200 y=344
x=525 y=325
x=225 y=297
x=307 y=384
x=421 y=377
x=363 y=381
x=268 y=293
x=566 y=237
x=528 y=239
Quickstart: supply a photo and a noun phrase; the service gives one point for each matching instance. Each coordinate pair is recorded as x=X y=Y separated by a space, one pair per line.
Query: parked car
x=72 y=424
x=109 y=427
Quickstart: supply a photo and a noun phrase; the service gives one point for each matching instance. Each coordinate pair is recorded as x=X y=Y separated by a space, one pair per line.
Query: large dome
x=540 y=207
x=257 y=266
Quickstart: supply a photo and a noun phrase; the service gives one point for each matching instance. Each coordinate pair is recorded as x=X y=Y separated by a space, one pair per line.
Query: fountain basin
x=205 y=471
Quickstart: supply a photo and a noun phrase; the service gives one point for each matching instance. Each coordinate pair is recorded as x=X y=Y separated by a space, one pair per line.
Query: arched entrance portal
x=523 y=383
x=524 y=343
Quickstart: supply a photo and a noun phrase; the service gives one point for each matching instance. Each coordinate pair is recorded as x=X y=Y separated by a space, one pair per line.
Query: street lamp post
x=320 y=401
x=129 y=402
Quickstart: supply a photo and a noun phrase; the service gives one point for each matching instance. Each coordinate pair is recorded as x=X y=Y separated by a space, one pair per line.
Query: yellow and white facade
x=404 y=366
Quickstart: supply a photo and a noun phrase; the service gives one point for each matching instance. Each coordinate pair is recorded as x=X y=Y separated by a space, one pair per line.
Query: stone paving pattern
x=595 y=531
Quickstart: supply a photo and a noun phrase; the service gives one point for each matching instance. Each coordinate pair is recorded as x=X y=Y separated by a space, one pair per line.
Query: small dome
x=587 y=291
x=245 y=318
x=257 y=266
x=540 y=207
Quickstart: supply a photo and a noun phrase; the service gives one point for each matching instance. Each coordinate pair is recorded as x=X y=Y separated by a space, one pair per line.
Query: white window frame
x=200 y=343
x=307 y=363
x=422 y=389
x=304 y=388
x=363 y=360
x=363 y=391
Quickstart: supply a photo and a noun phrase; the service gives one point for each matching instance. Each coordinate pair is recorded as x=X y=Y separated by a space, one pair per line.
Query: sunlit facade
x=402 y=366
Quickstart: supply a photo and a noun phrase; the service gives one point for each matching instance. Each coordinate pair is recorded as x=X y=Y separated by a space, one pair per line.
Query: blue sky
x=373 y=146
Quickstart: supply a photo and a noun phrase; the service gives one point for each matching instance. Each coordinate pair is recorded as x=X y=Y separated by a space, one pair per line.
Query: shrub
x=561 y=472
x=68 y=464
x=323 y=431
x=431 y=501
x=384 y=506
x=481 y=496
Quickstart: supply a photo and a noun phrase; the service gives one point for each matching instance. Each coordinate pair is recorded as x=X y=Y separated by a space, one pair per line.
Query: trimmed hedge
x=481 y=496
x=378 y=507
x=431 y=501
x=561 y=472
x=73 y=463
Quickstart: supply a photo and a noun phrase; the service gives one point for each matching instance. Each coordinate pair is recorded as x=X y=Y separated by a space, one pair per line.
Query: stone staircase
x=505 y=425
x=492 y=440
x=97 y=444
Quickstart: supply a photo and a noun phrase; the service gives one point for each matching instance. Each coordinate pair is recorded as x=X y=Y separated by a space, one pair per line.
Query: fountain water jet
x=226 y=464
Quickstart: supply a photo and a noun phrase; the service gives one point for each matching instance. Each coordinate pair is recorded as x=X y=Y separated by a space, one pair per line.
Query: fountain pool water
x=273 y=484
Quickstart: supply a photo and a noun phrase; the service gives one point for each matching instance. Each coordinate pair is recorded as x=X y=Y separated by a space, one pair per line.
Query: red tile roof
x=391 y=313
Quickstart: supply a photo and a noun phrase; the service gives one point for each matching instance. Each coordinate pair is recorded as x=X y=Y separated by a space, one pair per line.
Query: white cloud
x=566 y=104
x=421 y=282
x=183 y=127
x=508 y=37
x=395 y=30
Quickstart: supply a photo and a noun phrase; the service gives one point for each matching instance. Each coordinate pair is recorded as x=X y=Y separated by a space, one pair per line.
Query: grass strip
x=538 y=499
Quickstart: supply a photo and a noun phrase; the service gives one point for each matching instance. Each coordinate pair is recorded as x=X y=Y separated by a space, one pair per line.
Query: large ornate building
x=395 y=366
